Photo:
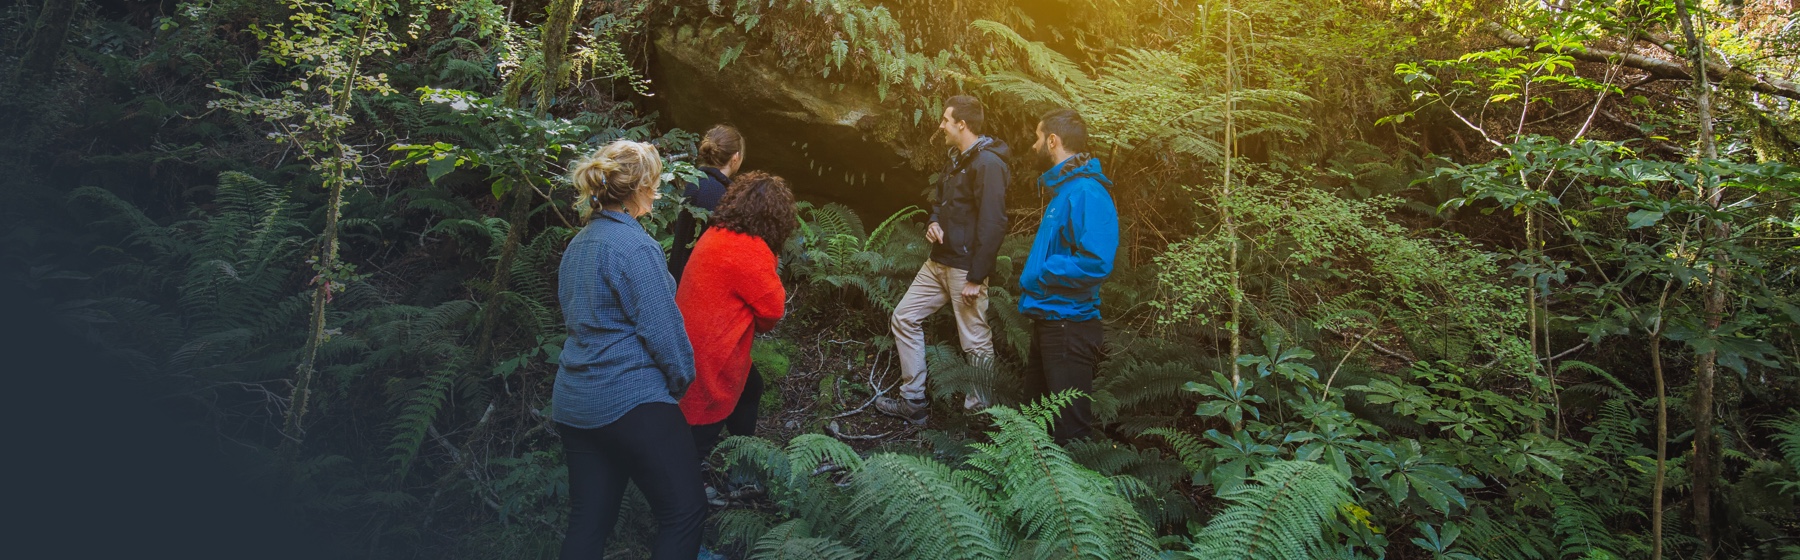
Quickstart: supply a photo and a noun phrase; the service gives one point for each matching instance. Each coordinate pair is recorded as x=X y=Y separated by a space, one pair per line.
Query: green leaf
x=1642 y=218
x=439 y=166
x=729 y=55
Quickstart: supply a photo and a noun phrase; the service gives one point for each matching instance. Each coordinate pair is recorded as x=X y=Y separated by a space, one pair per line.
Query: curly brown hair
x=761 y=205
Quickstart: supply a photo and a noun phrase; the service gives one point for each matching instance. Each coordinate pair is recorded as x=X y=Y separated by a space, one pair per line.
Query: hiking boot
x=914 y=412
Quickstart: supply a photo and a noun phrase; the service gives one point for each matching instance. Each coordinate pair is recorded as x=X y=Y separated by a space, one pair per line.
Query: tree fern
x=1279 y=514
x=1068 y=83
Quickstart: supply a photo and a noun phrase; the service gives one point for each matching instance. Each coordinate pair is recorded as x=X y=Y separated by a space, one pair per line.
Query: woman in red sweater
x=729 y=292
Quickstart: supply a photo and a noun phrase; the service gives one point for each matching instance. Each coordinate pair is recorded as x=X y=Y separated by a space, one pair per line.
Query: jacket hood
x=1079 y=165
x=986 y=143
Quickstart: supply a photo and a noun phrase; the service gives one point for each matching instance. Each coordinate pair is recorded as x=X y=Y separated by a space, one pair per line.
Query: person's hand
x=971 y=291
x=934 y=234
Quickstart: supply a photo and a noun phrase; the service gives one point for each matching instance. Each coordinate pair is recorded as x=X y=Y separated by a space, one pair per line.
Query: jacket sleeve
x=992 y=175
x=649 y=300
x=768 y=298
x=1093 y=233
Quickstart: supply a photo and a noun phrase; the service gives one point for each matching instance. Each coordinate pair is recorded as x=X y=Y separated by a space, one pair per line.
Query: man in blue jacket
x=1071 y=256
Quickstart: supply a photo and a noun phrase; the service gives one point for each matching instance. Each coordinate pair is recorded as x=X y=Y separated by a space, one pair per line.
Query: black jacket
x=971 y=208
x=705 y=194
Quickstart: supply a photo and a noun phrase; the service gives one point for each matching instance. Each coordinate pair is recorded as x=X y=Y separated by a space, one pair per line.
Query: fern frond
x=1513 y=538
x=791 y=541
x=742 y=527
x=806 y=452
x=1787 y=439
x=757 y=454
x=1063 y=508
x=910 y=507
x=1061 y=76
x=416 y=415
x=1280 y=513
x=879 y=237
x=1580 y=525
x=1187 y=446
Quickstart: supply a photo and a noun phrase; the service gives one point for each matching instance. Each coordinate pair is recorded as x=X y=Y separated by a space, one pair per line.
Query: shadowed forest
x=1487 y=279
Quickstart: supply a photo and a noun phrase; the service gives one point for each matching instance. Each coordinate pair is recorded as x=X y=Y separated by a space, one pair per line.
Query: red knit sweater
x=729 y=292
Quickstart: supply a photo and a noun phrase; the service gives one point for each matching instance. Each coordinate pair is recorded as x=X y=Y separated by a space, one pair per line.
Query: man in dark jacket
x=1071 y=255
x=968 y=222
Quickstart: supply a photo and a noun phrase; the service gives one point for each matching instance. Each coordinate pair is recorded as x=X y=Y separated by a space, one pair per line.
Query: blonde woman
x=626 y=364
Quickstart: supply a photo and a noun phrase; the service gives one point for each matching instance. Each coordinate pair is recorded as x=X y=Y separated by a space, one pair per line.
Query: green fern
x=807 y=452
x=1192 y=452
x=791 y=541
x=1787 y=439
x=1062 y=508
x=1581 y=525
x=1130 y=382
x=742 y=527
x=417 y=413
x=1280 y=513
x=1513 y=537
x=1145 y=475
x=909 y=507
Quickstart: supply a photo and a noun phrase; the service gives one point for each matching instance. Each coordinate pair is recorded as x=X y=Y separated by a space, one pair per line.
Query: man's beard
x=1044 y=157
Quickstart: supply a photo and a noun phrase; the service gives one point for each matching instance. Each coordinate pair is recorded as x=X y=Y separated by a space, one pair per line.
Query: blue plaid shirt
x=626 y=345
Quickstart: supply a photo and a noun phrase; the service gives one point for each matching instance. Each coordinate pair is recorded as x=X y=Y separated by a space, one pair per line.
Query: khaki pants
x=934 y=286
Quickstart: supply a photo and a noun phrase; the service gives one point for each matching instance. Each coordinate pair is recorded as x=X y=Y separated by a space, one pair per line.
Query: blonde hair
x=613 y=174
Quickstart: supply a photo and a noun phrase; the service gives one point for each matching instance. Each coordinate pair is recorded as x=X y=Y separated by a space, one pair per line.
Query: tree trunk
x=516 y=219
x=47 y=38
x=1705 y=372
x=315 y=336
x=1237 y=290
x=1662 y=427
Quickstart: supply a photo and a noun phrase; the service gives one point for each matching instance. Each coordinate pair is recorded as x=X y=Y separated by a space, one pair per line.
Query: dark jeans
x=741 y=422
x=648 y=446
x=1065 y=355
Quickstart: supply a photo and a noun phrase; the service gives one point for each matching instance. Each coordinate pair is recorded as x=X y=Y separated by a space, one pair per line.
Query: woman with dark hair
x=624 y=366
x=731 y=293
x=721 y=154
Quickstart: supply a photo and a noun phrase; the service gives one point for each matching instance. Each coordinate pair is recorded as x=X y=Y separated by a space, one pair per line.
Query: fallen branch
x=875 y=393
x=838 y=433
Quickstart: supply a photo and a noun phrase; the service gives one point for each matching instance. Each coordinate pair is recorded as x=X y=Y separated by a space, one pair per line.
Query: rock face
x=825 y=138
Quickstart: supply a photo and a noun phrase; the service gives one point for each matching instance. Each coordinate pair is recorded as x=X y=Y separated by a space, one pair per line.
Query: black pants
x=649 y=446
x=741 y=422
x=1065 y=355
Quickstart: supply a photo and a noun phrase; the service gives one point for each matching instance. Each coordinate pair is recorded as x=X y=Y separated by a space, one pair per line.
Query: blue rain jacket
x=1075 y=244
